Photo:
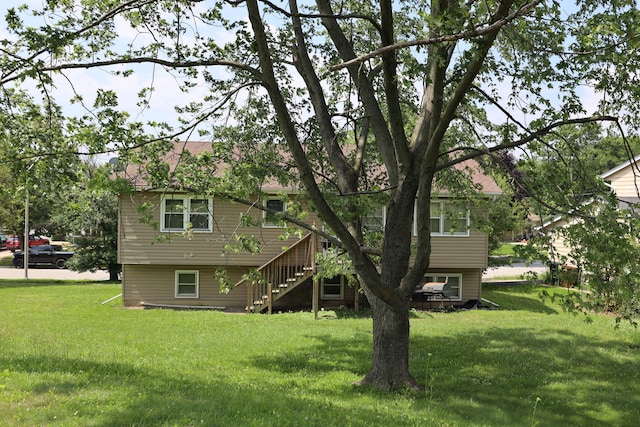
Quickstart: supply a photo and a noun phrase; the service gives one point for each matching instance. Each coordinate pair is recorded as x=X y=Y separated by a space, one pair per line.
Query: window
x=374 y=221
x=448 y=218
x=180 y=213
x=331 y=288
x=270 y=219
x=187 y=284
x=199 y=214
x=173 y=217
x=453 y=280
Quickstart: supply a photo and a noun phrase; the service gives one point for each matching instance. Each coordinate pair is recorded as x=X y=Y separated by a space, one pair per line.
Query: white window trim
x=332 y=296
x=383 y=217
x=443 y=202
x=266 y=224
x=441 y=277
x=177 y=276
x=186 y=202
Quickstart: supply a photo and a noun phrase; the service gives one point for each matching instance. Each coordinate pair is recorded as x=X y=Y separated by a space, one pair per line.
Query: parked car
x=3 y=241
x=13 y=242
x=43 y=255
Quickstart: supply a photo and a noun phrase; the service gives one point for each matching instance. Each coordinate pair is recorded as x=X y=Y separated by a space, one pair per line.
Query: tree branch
x=366 y=93
x=475 y=152
x=469 y=34
x=296 y=14
x=142 y=60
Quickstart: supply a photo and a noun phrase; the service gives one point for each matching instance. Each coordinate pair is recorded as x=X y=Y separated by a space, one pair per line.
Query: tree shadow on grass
x=517 y=297
x=495 y=377
x=115 y=394
x=484 y=376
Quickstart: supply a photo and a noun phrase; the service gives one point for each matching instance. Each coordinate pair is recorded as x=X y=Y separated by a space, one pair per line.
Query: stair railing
x=281 y=274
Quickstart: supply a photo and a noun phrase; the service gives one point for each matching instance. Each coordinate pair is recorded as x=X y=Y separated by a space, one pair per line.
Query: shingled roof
x=138 y=175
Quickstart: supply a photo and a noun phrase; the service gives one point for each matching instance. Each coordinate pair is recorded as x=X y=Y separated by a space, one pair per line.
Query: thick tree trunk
x=114 y=272
x=390 y=363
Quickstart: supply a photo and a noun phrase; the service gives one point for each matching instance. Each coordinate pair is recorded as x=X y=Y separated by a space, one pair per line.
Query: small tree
x=90 y=211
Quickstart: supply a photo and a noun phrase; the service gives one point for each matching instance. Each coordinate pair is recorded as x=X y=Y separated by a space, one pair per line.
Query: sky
x=167 y=92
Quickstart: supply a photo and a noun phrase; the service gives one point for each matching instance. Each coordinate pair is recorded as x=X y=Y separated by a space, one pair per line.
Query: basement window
x=332 y=288
x=453 y=280
x=187 y=284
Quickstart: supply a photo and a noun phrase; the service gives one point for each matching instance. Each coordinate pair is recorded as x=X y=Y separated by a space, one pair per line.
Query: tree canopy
x=373 y=100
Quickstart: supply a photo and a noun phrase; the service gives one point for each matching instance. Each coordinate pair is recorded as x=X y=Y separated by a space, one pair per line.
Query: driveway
x=47 y=272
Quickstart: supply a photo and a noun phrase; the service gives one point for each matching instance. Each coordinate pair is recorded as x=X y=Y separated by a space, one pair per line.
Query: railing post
x=314 y=299
x=249 y=294
x=269 y=295
x=356 y=302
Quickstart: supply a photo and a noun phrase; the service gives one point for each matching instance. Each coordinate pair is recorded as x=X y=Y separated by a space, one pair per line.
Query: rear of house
x=175 y=248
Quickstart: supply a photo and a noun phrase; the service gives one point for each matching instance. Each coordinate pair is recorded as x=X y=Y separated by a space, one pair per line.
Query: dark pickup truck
x=43 y=255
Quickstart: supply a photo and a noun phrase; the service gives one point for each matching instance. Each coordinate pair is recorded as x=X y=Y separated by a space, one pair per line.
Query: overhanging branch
x=474 y=152
x=469 y=34
x=142 y=60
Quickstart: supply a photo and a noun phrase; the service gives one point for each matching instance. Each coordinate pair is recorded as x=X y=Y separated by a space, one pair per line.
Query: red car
x=13 y=242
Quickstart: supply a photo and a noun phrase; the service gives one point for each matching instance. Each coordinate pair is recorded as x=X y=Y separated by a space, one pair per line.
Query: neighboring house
x=623 y=180
x=181 y=271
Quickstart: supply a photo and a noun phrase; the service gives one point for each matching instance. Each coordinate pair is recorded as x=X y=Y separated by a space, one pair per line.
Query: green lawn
x=68 y=360
x=505 y=249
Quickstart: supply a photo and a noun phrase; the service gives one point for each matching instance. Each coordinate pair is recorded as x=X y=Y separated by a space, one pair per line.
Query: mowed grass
x=68 y=360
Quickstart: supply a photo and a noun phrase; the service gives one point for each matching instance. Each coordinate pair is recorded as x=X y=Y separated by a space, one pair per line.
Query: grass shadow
x=520 y=296
x=497 y=376
x=130 y=396
x=480 y=369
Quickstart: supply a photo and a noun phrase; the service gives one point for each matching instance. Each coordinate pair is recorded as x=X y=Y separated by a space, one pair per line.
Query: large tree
x=373 y=99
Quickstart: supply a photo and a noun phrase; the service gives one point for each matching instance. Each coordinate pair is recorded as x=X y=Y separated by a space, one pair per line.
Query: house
x=622 y=180
x=179 y=261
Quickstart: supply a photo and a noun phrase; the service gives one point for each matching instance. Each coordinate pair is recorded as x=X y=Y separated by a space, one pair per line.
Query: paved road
x=515 y=270
x=47 y=273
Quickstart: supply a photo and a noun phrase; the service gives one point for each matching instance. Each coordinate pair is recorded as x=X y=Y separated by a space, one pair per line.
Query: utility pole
x=25 y=244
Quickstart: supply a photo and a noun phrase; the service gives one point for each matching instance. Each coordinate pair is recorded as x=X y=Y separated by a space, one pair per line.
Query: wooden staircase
x=280 y=275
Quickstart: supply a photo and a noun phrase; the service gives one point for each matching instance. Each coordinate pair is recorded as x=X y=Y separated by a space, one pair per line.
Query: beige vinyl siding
x=561 y=248
x=459 y=251
x=625 y=182
x=561 y=251
x=471 y=284
x=138 y=242
x=156 y=284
